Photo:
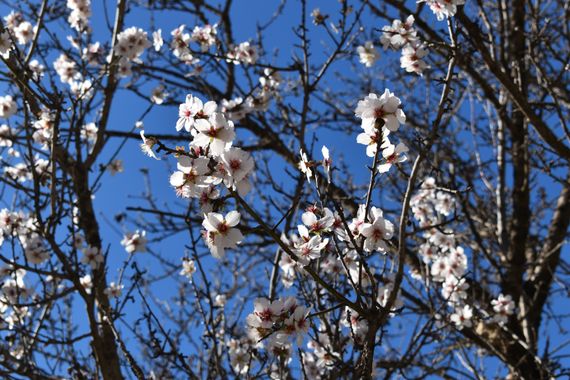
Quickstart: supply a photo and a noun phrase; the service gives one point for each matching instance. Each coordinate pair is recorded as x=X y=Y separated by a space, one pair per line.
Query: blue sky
x=120 y=191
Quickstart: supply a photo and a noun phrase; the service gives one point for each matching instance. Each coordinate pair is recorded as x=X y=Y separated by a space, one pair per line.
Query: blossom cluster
x=23 y=227
x=447 y=260
x=443 y=8
x=131 y=44
x=381 y=115
x=205 y=36
x=237 y=108
x=12 y=293
x=402 y=35
x=276 y=322
x=211 y=161
x=80 y=12
x=22 y=30
x=243 y=53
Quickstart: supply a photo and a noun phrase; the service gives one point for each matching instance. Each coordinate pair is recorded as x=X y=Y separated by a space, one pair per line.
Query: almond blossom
x=411 y=59
x=221 y=233
x=399 y=33
x=92 y=256
x=310 y=247
x=147 y=145
x=386 y=108
x=371 y=137
x=131 y=43
x=190 y=178
x=135 y=241
x=205 y=36
x=504 y=307
x=235 y=166
x=305 y=165
x=5 y=44
x=157 y=40
x=180 y=43
x=194 y=113
x=216 y=134
x=24 y=32
x=188 y=268
x=462 y=317
x=443 y=8
x=392 y=154
x=8 y=106
x=114 y=290
x=377 y=232
x=318 y=221
x=243 y=53
x=367 y=54
x=277 y=320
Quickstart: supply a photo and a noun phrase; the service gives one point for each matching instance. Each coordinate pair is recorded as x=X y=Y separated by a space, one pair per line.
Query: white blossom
x=386 y=108
x=92 y=256
x=157 y=40
x=443 y=8
x=147 y=145
x=392 y=154
x=462 y=317
x=221 y=233
x=8 y=106
x=205 y=36
x=411 y=59
x=114 y=290
x=367 y=54
x=503 y=306
x=399 y=33
x=135 y=241
x=243 y=53
x=190 y=178
x=194 y=113
x=131 y=43
x=377 y=232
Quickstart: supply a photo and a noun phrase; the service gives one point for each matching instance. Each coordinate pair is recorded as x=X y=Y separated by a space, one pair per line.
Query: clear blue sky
x=119 y=191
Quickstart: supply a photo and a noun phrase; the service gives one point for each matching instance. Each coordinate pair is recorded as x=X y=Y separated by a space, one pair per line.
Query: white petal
x=233 y=218
x=177 y=179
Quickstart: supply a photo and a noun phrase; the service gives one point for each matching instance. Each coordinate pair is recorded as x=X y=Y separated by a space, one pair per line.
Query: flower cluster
x=447 y=260
x=402 y=35
x=321 y=226
x=131 y=43
x=23 y=227
x=80 y=13
x=8 y=106
x=24 y=171
x=205 y=35
x=68 y=73
x=504 y=307
x=22 y=30
x=212 y=160
x=381 y=115
x=278 y=321
x=399 y=34
x=443 y=8
x=243 y=53
x=238 y=108
x=13 y=292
